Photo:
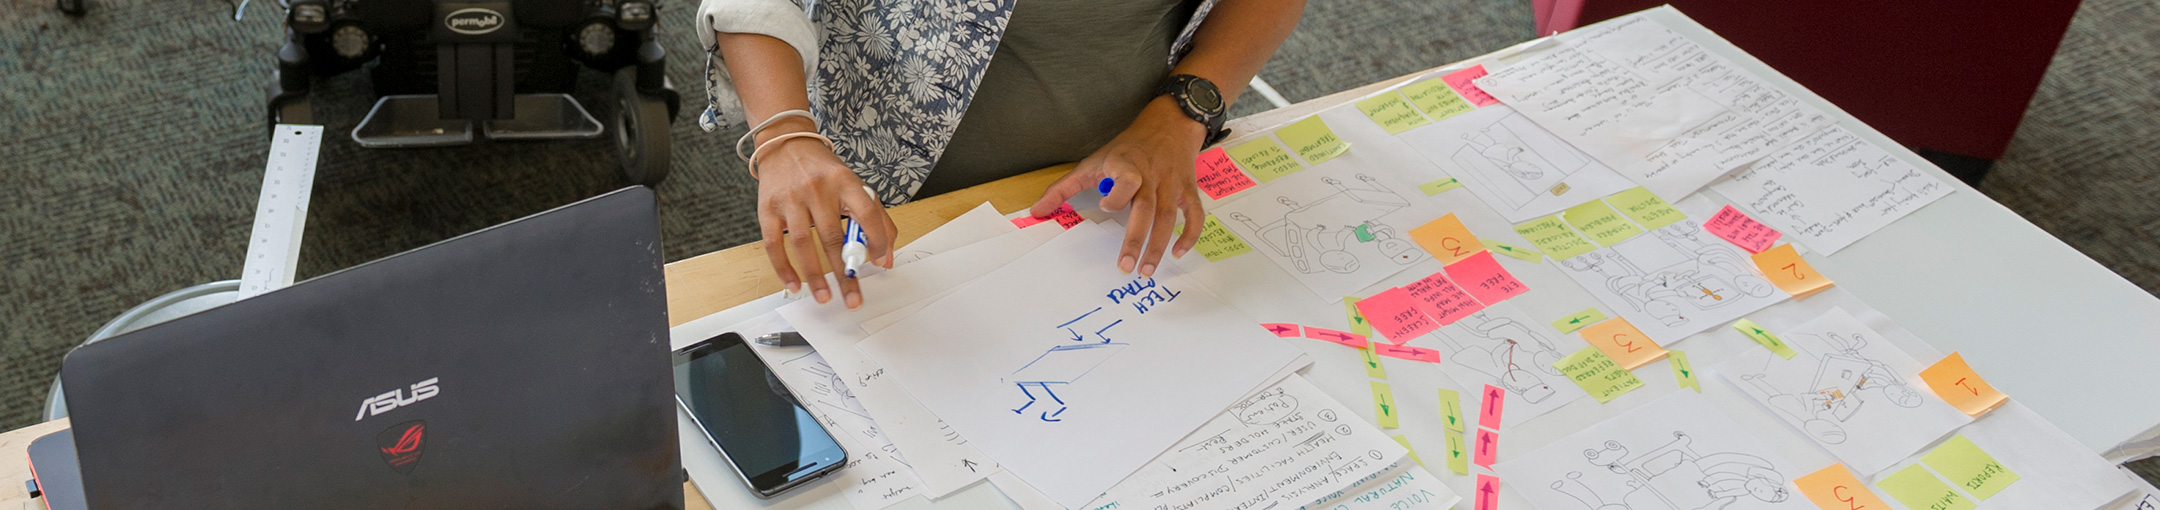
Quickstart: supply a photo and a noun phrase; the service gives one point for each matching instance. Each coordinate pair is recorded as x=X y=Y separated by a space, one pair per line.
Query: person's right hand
x=802 y=185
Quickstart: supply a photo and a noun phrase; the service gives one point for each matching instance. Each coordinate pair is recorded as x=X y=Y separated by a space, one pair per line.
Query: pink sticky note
x=1407 y=352
x=1460 y=81
x=1488 y=492
x=1282 y=329
x=1489 y=405
x=1732 y=225
x=1064 y=216
x=1484 y=279
x=1442 y=300
x=1488 y=448
x=1218 y=177
x=1353 y=340
x=1395 y=315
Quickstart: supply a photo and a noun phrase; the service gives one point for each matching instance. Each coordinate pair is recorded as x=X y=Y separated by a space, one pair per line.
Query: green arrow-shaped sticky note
x=1451 y=409
x=1456 y=460
x=1383 y=401
x=1763 y=336
x=1682 y=371
x=1577 y=320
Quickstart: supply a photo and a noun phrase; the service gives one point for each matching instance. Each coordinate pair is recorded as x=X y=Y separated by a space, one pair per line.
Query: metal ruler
x=274 y=247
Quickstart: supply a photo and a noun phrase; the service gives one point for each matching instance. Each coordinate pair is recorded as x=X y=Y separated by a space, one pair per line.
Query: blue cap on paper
x=1105 y=185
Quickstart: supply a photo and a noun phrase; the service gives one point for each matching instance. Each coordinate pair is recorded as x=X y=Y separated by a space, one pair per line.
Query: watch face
x=1203 y=97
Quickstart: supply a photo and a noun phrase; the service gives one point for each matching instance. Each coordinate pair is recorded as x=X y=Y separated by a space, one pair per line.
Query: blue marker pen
x=1105 y=186
x=854 y=251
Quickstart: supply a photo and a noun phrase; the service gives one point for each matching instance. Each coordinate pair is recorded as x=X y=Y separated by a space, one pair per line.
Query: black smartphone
x=772 y=443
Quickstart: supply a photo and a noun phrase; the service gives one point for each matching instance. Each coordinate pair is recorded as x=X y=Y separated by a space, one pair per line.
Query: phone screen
x=773 y=442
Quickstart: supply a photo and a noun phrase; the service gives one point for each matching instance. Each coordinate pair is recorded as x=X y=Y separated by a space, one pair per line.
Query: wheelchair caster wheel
x=641 y=134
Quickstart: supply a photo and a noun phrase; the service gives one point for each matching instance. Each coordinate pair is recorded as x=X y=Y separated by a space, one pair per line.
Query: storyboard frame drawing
x=1727 y=476
x=1674 y=282
x=1845 y=381
x=1515 y=166
x=1303 y=234
x=1677 y=453
x=1500 y=347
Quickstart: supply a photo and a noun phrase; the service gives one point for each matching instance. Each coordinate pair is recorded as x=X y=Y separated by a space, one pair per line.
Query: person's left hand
x=1152 y=163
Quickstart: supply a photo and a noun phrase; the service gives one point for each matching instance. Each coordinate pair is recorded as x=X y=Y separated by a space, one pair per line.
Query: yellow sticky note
x=1961 y=461
x=1216 y=243
x=1458 y=453
x=1578 y=320
x=1763 y=336
x=1626 y=345
x=1312 y=140
x=1835 y=488
x=1957 y=384
x=1645 y=208
x=1597 y=374
x=1682 y=371
x=1451 y=409
x=1788 y=271
x=1554 y=237
x=1600 y=222
x=1917 y=488
x=1372 y=363
x=1392 y=112
x=1520 y=253
x=1437 y=99
x=1435 y=187
x=1447 y=239
x=1383 y=405
x=1404 y=440
x=1357 y=320
x=1265 y=159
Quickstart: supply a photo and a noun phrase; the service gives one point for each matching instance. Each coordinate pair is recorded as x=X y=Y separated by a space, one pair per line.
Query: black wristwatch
x=1201 y=101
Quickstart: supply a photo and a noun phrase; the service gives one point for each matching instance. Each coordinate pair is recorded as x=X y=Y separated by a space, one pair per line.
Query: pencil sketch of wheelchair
x=1670 y=273
x=1316 y=237
x=1842 y=380
x=1675 y=477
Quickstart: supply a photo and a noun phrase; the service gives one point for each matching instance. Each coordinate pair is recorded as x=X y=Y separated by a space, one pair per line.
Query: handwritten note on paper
x=1438 y=185
x=1488 y=448
x=1835 y=488
x=1961 y=461
x=1620 y=340
x=1348 y=339
x=1283 y=329
x=1460 y=81
x=1395 y=314
x=1682 y=371
x=1451 y=409
x=1917 y=488
x=1442 y=300
x=1437 y=99
x=1358 y=324
x=1458 y=451
x=1554 y=237
x=1407 y=352
x=1217 y=176
x=1447 y=239
x=1520 y=253
x=1383 y=405
x=1763 y=336
x=1578 y=320
x=1482 y=276
x=1064 y=216
x=1957 y=384
x=1216 y=243
x=1392 y=112
x=1372 y=363
x=1645 y=208
x=1405 y=486
x=1491 y=403
x=1312 y=140
x=1264 y=158
x=1597 y=374
x=1736 y=227
x=1831 y=189
x=1784 y=267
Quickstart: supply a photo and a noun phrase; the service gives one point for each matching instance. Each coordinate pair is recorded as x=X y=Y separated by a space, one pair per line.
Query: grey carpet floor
x=131 y=147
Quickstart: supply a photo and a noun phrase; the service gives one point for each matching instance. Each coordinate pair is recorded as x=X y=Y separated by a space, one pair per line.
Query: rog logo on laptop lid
x=402 y=445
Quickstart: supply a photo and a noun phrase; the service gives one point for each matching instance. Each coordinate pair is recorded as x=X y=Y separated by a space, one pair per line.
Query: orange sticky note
x=1623 y=343
x=1217 y=176
x=1447 y=239
x=1788 y=271
x=1395 y=315
x=1957 y=384
x=1835 y=488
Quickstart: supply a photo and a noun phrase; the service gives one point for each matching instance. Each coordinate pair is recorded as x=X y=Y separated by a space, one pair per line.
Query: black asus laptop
x=521 y=366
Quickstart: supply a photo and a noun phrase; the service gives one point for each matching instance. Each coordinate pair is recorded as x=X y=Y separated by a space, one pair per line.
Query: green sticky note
x=1364 y=233
x=1392 y=112
x=1451 y=409
x=1645 y=208
x=1577 y=320
x=1216 y=243
x=1970 y=468
x=1312 y=140
x=1553 y=236
x=1265 y=159
x=1404 y=440
x=1681 y=370
x=1600 y=222
x=1383 y=403
x=1763 y=336
x=1597 y=374
x=1372 y=364
x=1458 y=458
x=1437 y=99
x=1917 y=488
x=1435 y=187
x=1520 y=253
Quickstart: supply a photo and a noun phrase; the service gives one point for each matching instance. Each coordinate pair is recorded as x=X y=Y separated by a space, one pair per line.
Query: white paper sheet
x=1307 y=224
x=1830 y=189
x=1848 y=390
x=1072 y=374
x=880 y=477
x=2054 y=470
x=1507 y=348
x=1405 y=485
x=1675 y=281
x=1285 y=446
x=1519 y=169
x=1679 y=452
x=1653 y=105
x=978 y=224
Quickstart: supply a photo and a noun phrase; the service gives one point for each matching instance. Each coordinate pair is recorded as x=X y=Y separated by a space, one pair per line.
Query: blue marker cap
x=1104 y=187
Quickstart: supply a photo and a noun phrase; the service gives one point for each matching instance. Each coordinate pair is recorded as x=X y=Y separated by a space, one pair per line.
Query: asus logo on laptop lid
x=394 y=399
